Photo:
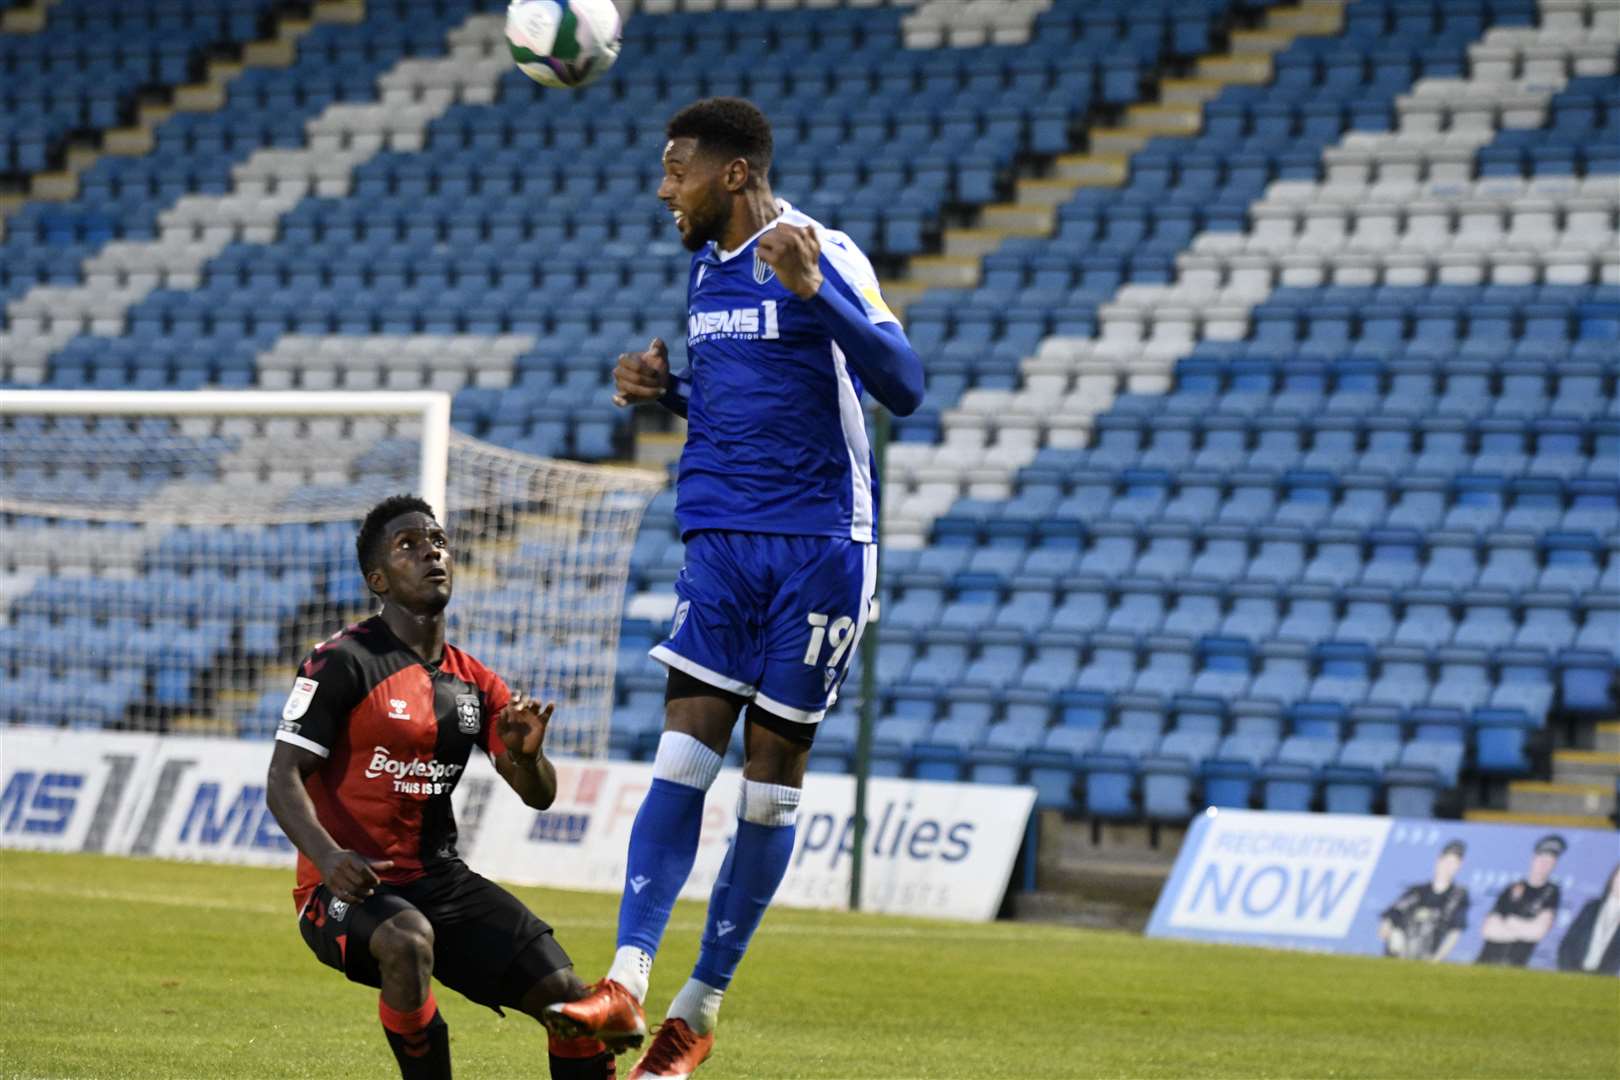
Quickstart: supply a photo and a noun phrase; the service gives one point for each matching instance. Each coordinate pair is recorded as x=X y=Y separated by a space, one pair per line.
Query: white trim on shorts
x=670 y=658
x=869 y=579
x=788 y=712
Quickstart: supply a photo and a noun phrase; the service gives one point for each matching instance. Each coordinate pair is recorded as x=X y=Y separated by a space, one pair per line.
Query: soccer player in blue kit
x=777 y=505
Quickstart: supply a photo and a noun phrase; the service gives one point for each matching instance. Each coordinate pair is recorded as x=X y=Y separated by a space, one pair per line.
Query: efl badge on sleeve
x=469 y=714
x=298 y=701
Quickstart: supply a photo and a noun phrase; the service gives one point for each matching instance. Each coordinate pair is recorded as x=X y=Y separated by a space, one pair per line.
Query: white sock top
x=768 y=804
x=681 y=759
x=631 y=969
x=698 y=1004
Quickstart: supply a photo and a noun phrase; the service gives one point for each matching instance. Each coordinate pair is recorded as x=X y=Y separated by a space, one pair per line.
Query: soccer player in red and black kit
x=374 y=736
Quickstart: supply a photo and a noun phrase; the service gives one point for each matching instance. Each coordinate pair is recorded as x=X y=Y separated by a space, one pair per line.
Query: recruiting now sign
x=1520 y=895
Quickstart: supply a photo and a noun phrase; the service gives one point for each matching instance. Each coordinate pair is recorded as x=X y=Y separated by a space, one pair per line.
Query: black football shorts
x=486 y=945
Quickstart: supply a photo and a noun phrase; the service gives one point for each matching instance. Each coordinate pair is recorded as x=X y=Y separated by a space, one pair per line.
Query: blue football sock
x=663 y=845
x=754 y=867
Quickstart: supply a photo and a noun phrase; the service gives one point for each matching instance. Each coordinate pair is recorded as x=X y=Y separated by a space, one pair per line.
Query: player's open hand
x=351 y=876
x=642 y=377
x=522 y=726
x=795 y=254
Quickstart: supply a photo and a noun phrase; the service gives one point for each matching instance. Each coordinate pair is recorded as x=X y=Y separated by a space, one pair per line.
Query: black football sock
x=581 y=1059
x=420 y=1040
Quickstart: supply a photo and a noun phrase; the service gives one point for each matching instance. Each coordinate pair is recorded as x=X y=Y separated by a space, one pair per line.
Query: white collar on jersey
x=783 y=209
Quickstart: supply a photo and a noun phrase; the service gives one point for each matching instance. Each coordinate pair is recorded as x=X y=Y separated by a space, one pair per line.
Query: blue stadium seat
x=1411 y=792
x=1052 y=767
x=1502 y=742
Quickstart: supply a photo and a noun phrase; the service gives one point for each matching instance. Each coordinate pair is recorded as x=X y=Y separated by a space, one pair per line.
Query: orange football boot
x=675 y=1053
x=609 y=1013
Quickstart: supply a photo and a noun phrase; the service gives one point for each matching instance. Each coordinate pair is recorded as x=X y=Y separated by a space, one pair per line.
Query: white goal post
x=167 y=557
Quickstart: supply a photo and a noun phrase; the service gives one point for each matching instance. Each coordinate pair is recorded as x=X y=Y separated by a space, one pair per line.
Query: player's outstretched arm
x=351 y=876
x=522 y=729
x=878 y=352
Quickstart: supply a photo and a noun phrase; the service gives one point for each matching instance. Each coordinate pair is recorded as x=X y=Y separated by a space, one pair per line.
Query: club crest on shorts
x=337 y=909
x=680 y=617
x=469 y=714
x=763 y=271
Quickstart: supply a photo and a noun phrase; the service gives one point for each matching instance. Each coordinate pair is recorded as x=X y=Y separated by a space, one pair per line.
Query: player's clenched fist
x=522 y=726
x=351 y=876
x=642 y=377
x=795 y=254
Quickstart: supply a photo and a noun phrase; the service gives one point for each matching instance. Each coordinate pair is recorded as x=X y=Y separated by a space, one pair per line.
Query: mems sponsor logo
x=232 y=816
x=39 y=802
x=749 y=323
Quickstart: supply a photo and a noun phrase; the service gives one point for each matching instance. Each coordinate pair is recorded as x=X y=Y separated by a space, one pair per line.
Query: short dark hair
x=368 y=542
x=729 y=126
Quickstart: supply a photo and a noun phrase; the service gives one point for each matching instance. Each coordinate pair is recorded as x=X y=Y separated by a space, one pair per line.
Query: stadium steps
x=1561 y=797
x=1114 y=869
x=1514 y=817
x=28 y=18
x=1179 y=112
x=1586 y=766
x=62 y=185
x=1608 y=736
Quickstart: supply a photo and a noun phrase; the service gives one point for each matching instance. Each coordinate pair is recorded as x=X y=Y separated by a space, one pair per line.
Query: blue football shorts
x=775 y=619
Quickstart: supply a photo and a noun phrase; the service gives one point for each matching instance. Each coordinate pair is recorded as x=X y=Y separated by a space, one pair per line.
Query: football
x=563 y=43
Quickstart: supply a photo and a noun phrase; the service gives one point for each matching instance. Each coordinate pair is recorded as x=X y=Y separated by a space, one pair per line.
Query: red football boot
x=675 y=1053
x=609 y=1013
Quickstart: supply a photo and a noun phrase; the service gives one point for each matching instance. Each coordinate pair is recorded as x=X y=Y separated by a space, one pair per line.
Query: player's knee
x=406 y=940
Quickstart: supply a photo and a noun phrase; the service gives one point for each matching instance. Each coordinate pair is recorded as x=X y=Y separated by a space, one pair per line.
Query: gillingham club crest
x=469 y=714
x=763 y=271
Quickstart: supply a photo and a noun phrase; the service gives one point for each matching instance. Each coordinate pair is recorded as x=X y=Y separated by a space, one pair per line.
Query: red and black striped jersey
x=396 y=733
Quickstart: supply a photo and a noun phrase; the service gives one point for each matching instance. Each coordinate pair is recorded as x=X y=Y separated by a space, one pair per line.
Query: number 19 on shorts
x=837 y=636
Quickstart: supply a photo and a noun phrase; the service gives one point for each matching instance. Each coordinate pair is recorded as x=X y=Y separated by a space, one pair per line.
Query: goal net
x=167 y=558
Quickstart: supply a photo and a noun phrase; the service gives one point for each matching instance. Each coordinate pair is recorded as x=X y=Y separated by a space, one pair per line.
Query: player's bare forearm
x=534 y=779
x=289 y=803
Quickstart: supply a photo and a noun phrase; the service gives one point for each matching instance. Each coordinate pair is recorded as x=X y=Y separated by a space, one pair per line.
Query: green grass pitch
x=136 y=968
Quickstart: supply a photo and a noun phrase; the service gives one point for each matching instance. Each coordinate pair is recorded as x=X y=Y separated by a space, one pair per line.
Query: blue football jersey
x=776 y=438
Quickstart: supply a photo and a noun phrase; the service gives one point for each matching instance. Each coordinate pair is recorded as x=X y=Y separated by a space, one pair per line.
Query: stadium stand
x=1282 y=470
x=1321 y=461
